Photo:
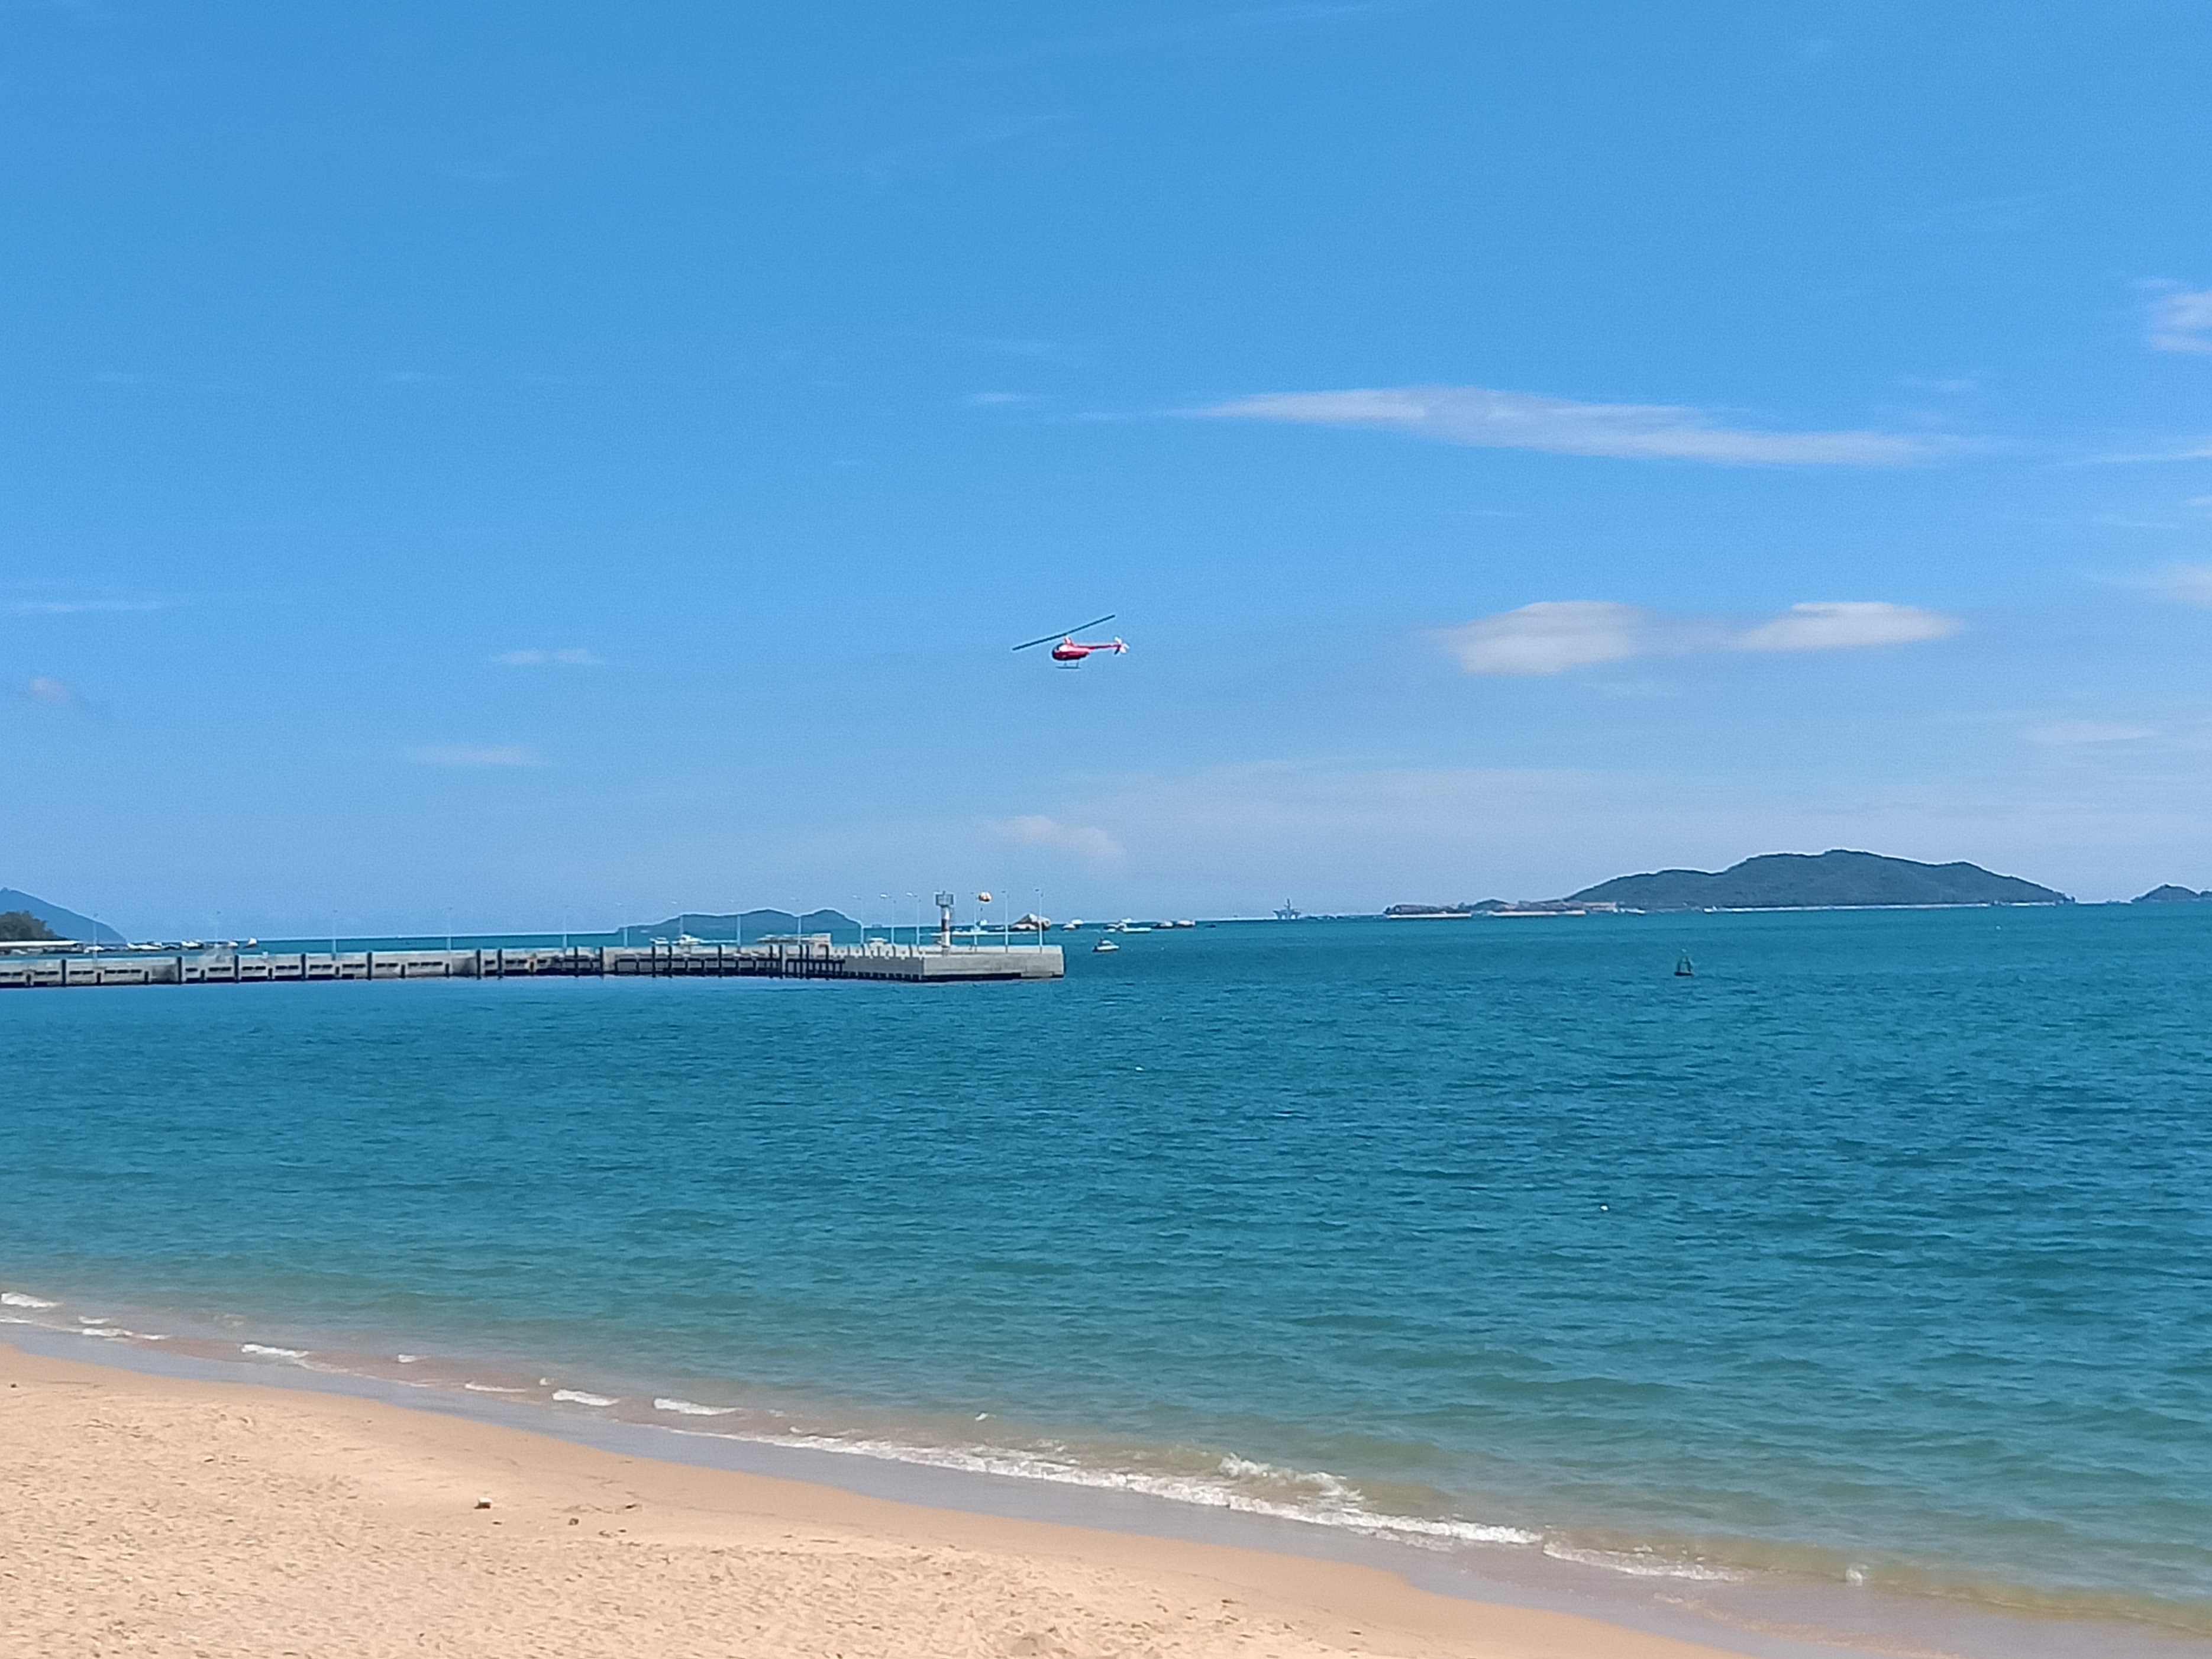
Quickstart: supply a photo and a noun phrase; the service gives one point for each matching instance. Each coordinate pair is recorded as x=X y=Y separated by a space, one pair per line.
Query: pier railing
x=802 y=958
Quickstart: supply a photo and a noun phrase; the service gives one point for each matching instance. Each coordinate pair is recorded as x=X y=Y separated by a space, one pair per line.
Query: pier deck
x=930 y=964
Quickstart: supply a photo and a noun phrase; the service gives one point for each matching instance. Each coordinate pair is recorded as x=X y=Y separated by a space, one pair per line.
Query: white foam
x=1643 y=1563
x=577 y=1397
x=1319 y=1480
x=102 y=1330
x=692 y=1408
x=17 y=1299
x=273 y=1353
x=1335 y=1505
x=408 y=1359
x=488 y=1388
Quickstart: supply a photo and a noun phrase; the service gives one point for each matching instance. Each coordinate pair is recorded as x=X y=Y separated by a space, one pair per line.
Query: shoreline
x=1703 y=1614
x=157 y=1513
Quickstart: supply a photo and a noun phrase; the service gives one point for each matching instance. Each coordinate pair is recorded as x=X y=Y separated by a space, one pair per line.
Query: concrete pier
x=797 y=958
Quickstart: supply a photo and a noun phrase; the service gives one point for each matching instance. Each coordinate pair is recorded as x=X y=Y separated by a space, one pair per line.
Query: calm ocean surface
x=1878 y=1253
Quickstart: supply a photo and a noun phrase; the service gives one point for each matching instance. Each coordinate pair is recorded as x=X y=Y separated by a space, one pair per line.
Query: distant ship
x=1290 y=912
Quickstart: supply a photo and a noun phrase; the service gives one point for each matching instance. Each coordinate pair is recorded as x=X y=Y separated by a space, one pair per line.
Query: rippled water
x=1876 y=1252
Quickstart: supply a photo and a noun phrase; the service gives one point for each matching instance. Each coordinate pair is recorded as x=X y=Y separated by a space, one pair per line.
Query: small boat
x=1684 y=968
x=1103 y=945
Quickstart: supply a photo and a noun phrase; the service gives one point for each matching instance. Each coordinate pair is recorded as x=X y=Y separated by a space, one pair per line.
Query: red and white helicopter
x=1068 y=649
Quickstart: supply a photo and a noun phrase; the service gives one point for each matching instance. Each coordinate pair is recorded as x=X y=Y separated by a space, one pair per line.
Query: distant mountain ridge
x=751 y=924
x=1789 y=881
x=2170 y=894
x=67 y=923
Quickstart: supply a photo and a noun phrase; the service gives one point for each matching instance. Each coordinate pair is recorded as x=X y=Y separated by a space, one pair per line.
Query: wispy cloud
x=75 y=607
x=574 y=656
x=2184 y=583
x=1485 y=418
x=1553 y=637
x=473 y=754
x=2180 y=320
x=55 y=693
x=1092 y=845
x=1846 y=625
x=996 y=399
x=1549 y=637
x=2070 y=733
x=2187 y=449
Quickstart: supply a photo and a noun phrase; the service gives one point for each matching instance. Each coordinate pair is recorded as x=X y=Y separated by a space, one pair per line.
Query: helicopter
x=1068 y=650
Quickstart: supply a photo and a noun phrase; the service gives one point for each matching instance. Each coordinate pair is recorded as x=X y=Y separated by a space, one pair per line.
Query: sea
x=1854 y=1289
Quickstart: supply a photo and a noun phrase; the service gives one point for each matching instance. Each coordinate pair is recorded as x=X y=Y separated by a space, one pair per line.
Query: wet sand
x=149 y=1516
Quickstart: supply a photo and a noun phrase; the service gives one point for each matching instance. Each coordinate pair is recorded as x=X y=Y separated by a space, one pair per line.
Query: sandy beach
x=151 y=1516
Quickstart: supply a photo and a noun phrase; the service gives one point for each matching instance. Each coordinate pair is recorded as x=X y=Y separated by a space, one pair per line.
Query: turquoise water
x=1875 y=1254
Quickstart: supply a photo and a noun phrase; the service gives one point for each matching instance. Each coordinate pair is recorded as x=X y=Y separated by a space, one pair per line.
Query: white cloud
x=2066 y=733
x=1846 y=625
x=997 y=400
x=1548 y=637
x=2184 y=584
x=1514 y=420
x=1092 y=845
x=2191 y=449
x=1555 y=635
x=53 y=693
x=462 y=754
x=572 y=656
x=2181 y=321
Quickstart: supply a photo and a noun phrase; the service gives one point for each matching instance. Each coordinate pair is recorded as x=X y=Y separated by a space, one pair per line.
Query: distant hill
x=1780 y=881
x=752 y=924
x=65 y=923
x=21 y=927
x=2170 y=894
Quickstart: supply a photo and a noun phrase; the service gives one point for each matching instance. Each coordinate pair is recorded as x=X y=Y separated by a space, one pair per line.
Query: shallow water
x=1875 y=1254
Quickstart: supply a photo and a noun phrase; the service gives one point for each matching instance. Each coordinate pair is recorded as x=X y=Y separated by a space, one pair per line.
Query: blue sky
x=524 y=459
